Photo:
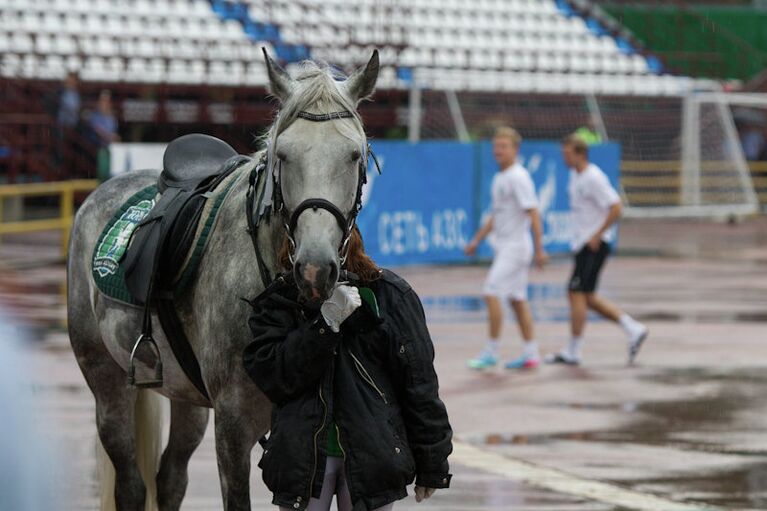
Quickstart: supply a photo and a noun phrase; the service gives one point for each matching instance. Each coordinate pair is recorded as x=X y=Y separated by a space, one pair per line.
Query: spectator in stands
x=66 y=108
x=753 y=142
x=102 y=122
x=588 y=133
x=69 y=103
x=514 y=214
x=596 y=207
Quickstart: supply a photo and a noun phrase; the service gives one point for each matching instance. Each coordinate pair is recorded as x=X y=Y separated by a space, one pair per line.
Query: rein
x=257 y=209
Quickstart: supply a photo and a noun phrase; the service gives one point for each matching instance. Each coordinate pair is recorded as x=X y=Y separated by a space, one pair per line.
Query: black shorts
x=588 y=264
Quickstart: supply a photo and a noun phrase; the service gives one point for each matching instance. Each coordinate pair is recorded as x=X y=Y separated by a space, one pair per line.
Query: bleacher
x=537 y=46
x=174 y=41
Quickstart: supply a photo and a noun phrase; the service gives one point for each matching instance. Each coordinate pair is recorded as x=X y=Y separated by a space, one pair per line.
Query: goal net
x=680 y=156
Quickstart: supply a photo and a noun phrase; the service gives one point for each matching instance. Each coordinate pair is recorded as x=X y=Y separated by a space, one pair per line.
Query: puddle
x=743 y=488
x=548 y=303
x=701 y=424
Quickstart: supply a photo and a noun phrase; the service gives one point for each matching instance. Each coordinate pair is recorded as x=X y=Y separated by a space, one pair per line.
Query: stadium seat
x=467 y=44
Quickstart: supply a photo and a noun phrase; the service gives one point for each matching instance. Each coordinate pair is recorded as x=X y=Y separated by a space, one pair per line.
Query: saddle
x=193 y=166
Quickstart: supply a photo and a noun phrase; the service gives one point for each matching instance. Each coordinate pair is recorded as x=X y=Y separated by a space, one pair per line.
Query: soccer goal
x=711 y=176
x=681 y=155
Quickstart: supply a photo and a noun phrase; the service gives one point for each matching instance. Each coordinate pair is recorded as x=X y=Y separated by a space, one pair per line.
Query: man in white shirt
x=514 y=213
x=596 y=207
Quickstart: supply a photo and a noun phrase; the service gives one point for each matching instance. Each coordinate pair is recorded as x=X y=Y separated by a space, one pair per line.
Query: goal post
x=711 y=177
x=681 y=155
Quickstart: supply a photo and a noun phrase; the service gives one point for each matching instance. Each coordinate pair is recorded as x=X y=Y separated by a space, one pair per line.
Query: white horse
x=317 y=160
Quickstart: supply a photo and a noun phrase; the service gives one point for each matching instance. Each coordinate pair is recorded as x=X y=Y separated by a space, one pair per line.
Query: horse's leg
x=240 y=421
x=187 y=428
x=115 y=419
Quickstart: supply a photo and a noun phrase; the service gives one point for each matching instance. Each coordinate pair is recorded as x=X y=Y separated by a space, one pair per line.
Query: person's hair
x=510 y=133
x=577 y=143
x=357 y=261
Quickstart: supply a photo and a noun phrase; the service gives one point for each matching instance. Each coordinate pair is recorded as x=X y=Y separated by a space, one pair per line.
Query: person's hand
x=422 y=493
x=541 y=258
x=471 y=248
x=344 y=300
x=594 y=242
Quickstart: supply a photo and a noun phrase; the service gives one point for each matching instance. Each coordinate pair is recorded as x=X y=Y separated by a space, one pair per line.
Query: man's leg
x=524 y=319
x=530 y=356
x=604 y=307
x=494 y=316
x=488 y=357
x=578 y=312
x=636 y=332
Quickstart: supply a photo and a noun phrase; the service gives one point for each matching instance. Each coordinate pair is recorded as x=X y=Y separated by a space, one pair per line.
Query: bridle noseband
x=345 y=221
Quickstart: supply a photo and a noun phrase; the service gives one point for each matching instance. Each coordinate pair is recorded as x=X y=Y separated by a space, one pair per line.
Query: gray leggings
x=335 y=484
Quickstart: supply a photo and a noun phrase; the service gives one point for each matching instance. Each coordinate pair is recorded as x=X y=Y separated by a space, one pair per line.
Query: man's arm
x=541 y=257
x=613 y=215
x=471 y=248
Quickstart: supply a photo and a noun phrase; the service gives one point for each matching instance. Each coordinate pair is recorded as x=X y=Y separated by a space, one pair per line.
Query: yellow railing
x=65 y=190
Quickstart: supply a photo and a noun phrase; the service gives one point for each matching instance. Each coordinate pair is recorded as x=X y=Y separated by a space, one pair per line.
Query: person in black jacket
x=356 y=407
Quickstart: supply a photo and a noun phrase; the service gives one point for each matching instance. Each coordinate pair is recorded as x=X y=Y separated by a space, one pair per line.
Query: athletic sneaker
x=484 y=360
x=523 y=362
x=562 y=358
x=636 y=344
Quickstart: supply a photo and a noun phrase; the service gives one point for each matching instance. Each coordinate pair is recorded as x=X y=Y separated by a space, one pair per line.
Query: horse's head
x=319 y=151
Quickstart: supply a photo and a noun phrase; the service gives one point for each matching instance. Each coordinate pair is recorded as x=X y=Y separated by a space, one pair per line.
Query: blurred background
x=671 y=96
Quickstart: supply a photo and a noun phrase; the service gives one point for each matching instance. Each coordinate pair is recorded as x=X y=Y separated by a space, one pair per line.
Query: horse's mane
x=316 y=90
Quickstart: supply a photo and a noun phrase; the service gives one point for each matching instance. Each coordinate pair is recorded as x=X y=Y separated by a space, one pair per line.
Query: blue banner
x=420 y=210
x=432 y=196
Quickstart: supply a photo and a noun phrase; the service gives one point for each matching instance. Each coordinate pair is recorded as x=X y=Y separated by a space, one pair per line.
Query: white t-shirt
x=513 y=193
x=591 y=196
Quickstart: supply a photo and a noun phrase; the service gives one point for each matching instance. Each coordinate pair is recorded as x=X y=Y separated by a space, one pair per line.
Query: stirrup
x=146 y=384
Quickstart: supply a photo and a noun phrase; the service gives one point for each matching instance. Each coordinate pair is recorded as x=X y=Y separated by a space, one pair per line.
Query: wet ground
x=686 y=428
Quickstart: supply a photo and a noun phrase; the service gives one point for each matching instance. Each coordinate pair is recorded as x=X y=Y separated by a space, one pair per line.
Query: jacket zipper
x=366 y=376
x=338 y=433
x=316 y=434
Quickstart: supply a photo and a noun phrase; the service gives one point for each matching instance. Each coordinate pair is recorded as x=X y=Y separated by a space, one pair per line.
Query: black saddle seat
x=190 y=159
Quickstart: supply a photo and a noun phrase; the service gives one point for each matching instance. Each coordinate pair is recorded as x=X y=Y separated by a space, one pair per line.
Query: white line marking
x=561 y=482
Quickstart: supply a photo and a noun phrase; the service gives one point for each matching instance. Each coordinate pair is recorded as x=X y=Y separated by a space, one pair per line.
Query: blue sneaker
x=485 y=360
x=523 y=362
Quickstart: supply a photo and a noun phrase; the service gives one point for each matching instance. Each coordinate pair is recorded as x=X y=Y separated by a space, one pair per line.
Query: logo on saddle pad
x=115 y=241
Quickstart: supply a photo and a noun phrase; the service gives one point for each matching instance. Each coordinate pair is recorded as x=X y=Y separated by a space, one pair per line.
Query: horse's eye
x=355 y=155
x=281 y=156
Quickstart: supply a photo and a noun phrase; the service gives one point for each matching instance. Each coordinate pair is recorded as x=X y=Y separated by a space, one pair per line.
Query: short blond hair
x=510 y=133
x=577 y=143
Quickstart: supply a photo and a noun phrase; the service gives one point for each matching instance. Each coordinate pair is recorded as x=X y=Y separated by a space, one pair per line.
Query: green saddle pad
x=113 y=241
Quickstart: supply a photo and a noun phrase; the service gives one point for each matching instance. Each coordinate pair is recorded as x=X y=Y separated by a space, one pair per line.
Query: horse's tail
x=148 y=428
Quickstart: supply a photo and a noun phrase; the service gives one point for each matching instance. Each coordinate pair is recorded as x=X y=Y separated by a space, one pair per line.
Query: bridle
x=259 y=208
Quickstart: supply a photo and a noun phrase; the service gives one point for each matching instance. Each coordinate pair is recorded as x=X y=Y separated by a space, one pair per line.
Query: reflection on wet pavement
x=688 y=423
x=708 y=424
x=548 y=303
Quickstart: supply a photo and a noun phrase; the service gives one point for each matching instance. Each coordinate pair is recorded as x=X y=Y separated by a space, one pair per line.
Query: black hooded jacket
x=375 y=379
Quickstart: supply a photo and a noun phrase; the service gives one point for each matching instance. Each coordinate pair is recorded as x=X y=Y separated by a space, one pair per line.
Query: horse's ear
x=362 y=82
x=280 y=82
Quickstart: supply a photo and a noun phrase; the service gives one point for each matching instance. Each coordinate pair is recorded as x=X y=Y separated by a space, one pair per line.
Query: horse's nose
x=315 y=278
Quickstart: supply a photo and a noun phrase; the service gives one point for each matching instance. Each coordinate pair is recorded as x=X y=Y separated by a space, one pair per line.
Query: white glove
x=422 y=493
x=344 y=300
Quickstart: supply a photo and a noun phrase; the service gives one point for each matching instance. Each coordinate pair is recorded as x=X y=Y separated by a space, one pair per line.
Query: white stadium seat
x=481 y=45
